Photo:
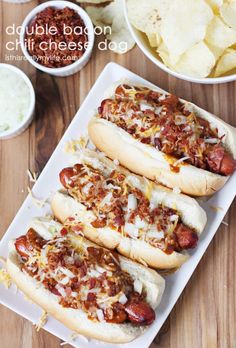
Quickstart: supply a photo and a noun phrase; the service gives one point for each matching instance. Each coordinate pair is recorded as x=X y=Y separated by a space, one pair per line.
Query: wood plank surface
x=205 y=315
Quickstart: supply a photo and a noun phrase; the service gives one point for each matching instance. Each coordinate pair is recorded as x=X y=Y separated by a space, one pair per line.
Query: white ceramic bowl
x=17 y=1
x=21 y=127
x=142 y=42
x=78 y=64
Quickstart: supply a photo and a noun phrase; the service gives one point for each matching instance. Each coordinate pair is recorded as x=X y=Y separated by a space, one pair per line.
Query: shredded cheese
x=5 y=278
x=38 y=202
x=42 y=321
x=32 y=176
x=148 y=191
x=179 y=161
x=74 y=146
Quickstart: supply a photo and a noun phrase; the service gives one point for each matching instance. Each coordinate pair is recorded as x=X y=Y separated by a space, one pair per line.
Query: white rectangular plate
x=48 y=182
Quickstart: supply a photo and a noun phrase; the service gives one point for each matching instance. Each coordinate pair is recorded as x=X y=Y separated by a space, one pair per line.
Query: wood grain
x=205 y=315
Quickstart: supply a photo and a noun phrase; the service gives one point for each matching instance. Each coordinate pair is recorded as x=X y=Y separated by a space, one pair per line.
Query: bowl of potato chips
x=194 y=40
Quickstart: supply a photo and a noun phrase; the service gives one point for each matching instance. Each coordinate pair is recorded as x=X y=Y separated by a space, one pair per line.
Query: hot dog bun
x=76 y=319
x=64 y=206
x=146 y=160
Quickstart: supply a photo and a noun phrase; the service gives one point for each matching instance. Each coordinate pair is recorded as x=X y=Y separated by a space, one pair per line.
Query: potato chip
x=219 y=34
x=228 y=13
x=154 y=39
x=112 y=15
x=184 y=25
x=226 y=63
x=198 y=61
x=217 y=51
x=146 y=15
x=164 y=54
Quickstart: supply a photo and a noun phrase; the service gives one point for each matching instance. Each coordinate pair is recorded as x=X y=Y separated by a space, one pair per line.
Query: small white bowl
x=21 y=127
x=16 y=1
x=78 y=64
x=140 y=40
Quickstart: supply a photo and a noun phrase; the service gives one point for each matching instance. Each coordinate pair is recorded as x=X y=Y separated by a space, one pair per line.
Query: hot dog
x=90 y=289
x=178 y=144
x=123 y=211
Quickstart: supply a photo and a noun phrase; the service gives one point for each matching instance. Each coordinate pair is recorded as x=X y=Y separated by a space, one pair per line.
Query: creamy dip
x=14 y=99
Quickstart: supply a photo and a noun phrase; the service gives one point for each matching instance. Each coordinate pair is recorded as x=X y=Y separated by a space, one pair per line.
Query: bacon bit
x=92 y=283
x=64 y=231
x=71 y=219
x=55 y=292
x=91 y=297
x=68 y=291
x=57 y=57
x=77 y=229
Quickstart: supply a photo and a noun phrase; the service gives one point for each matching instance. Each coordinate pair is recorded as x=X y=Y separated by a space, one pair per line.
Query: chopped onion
x=137 y=122
x=94 y=273
x=174 y=217
x=123 y=299
x=144 y=107
x=69 y=259
x=112 y=187
x=187 y=128
x=211 y=141
x=153 y=233
x=138 y=286
x=180 y=119
x=100 y=314
x=162 y=97
x=140 y=223
x=65 y=271
x=181 y=160
x=131 y=230
x=74 y=294
x=61 y=290
x=132 y=202
x=100 y=269
x=158 y=110
x=86 y=188
x=65 y=280
x=106 y=199
x=94 y=291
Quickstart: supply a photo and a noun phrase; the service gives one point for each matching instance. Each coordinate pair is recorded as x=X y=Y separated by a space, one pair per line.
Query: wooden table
x=205 y=315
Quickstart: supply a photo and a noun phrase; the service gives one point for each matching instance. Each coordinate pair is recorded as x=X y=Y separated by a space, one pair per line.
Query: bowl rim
x=29 y=115
x=58 y=4
x=205 y=80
